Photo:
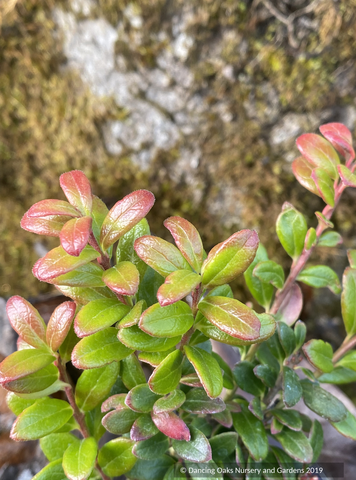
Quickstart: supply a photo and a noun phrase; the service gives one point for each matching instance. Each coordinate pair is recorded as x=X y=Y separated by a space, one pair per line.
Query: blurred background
x=199 y=101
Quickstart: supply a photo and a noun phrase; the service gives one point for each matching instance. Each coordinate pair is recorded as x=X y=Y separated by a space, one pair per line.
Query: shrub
x=141 y=305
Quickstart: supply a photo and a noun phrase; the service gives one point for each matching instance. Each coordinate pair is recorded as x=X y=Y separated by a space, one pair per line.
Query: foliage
x=118 y=334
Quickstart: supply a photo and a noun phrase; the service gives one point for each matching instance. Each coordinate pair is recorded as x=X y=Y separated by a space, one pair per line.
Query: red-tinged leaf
x=325 y=186
x=134 y=315
x=302 y=170
x=319 y=152
x=191 y=380
x=123 y=279
x=229 y=259
x=76 y=188
x=50 y=207
x=124 y=215
x=171 y=425
x=340 y=137
x=85 y=295
x=115 y=402
x=143 y=428
x=59 y=324
x=177 y=285
x=75 y=235
x=323 y=221
x=27 y=322
x=291 y=306
x=231 y=317
x=160 y=255
x=187 y=239
x=50 y=226
x=348 y=178
x=23 y=363
x=58 y=262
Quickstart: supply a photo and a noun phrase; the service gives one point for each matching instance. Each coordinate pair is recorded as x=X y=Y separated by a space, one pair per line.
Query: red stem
x=344 y=348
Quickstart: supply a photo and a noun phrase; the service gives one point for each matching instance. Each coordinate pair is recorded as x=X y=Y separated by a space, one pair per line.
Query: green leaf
x=116 y=457
x=348 y=300
x=252 y=433
x=319 y=276
x=351 y=255
x=228 y=379
x=310 y=239
x=143 y=428
x=99 y=349
x=346 y=427
x=316 y=439
x=116 y=402
x=79 y=459
x=286 y=338
x=177 y=286
x=154 y=469
x=276 y=426
x=319 y=152
x=154 y=358
x=223 y=445
x=167 y=321
x=231 y=317
x=40 y=419
x=207 y=369
x=262 y=292
x=302 y=170
x=125 y=251
x=319 y=354
x=55 y=444
x=266 y=374
x=124 y=215
x=289 y=418
x=17 y=404
x=122 y=279
x=284 y=461
x=291 y=230
x=348 y=361
x=196 y=450
x=300 y=332
x=93 y=421
x=22 y=363
x=296 y=445
x=187 y=240
x=149 y=286
x=266 y=357
x=171 y=402
x=119 y=422
x=230 y=258
x=325 y=186
x=85 y=295
x=99 y=213
x=35 y=382
x=198 y=402
x=322 y=402
x=255 y=407
x=330 y=239
x=246 y=379
x=98 y=315
x=269 y=272
x=131 y=372
x=94 y=385
x=224 y=418
x=136 y=339
x=167 y=375
x=348 y=178
x=141 y=399
x=339 y=376
x=52 y=471
x=65 y=350
x=160 y=255
x=152 y=447
x=292 y=389
x=134 y=315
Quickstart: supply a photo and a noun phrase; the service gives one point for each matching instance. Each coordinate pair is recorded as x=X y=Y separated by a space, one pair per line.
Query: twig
x=347 y=345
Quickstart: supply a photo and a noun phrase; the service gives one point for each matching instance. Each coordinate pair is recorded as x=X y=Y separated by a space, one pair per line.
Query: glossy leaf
x=230 y=258
x=246 y=380
x=340 y=137
x=58 y=262
x=99 y=349
x=65 y=350
x=136 y=339
x=348 y=300
x=75 y=235
x=302 y=170
x=125 y=251
x=26 y=321
x=266 y=374
x=255 y=407
x=191 y=379
x=319 y=354
x=286 y=338
x=50 y=226
x=310 y=239
x=291 y=230
x=252 y=433
x=116 y=402
x=34 y=382
x=319 y=152
x=94 y=385
x=291 y=306
x=325 y=186
x=348 y=361
x=165 y=378
x=116 y=457
x=224 y=418
x=143 y=428
x=289 y=418
x=124 y=215
x=160 y=255
x=223 y=445
x=228 y=379
x=339 y=376
x=55 y=444
x=167 y=321
x=261 y=291
x=141 y=399
x=76 y=188
x=40 y=419
x=330 y=239
x=197 y=449
x=316 y=439
x=99 y=314
x=119 y=422
x=122 y=279
x=83 y=296
x=177 y=285
x=51 y=207
x=149 y=286
x=319 y=276
x=93 y=420
x=171 y=425
x=346 y=427
x=134 y=315
x=296 y=445
x=348 y=178
x=154 y=358
x=198 y=402
x=292 y=389
x=231 y=317
x=98 y=214
x=59 y=324
x=152 y=447
x=171 y=402
x=300 y=332
x=132 y=373
x=154 y=469
x=351 y=255
x=79 y=459
x=23 y=363
x=52 y=471
x=207 y=369
x=187 y=240
x=269 y=272
x=322 y=402
x=17 y=404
